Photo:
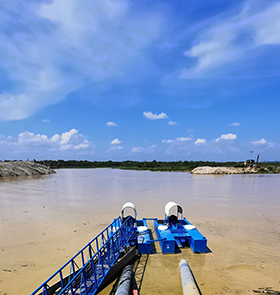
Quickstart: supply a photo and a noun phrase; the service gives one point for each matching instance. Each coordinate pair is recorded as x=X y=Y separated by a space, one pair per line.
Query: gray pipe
x=124 y=285
x=187 y=279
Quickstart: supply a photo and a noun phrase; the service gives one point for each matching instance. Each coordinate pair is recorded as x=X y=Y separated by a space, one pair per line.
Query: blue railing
x=85 y=271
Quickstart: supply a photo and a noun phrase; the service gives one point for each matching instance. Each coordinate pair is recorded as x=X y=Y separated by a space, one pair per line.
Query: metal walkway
x=84 y=272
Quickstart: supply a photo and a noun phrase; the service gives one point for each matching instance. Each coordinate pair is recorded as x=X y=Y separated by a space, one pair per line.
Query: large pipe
x=188 y=283
x=124 y=285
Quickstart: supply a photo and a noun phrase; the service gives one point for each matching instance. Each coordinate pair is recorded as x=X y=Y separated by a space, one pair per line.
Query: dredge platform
x=116 y=246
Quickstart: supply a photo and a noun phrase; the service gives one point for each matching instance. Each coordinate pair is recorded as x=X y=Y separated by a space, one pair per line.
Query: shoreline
x=23 y=168
x=27 y=168
x=227 y=170
x=162 y=166
x=215 y=170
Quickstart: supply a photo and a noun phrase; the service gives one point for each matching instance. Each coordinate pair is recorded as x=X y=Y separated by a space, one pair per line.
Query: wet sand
x=239 y=261
x=40 y=231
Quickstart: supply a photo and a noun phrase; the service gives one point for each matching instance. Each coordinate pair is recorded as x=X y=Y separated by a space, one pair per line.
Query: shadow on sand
x=139 y=265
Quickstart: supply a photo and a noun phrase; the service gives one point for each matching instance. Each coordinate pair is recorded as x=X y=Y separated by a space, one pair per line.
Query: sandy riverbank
x=244 y=255
x=224 y=170
x=23 y=168
x=236 y=264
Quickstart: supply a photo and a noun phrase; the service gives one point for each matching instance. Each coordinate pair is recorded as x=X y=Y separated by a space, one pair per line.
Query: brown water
x=44 y=221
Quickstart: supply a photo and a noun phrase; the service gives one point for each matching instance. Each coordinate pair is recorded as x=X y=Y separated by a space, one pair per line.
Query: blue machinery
x=85 y=272
x=176 y=230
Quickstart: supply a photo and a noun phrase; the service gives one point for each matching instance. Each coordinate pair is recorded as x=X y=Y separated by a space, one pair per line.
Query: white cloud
x=264 y=143
x=178 y=140
x=260 y=142
x=40 y=145
x=229 y=39
x=66 y=140
x=81 y=146
x=111 y=124
x=229 y=136
x=234 y=124
x=46 y=121
x=172 y=123
x=116 y=141
x=168 y=140
x=55 y=138
x=137 y=149
x=200 y=141
x=66 y=136
x=28 y=138
x=52 y=49
x=151 y=116
x=183 y=139
x=65 y=147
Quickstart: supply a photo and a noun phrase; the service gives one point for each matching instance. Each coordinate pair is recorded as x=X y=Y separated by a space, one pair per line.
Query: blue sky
x=139 y=80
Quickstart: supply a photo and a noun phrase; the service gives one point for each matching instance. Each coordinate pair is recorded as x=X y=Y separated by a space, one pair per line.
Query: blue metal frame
x=177 y=233
x=165 y=238
x=86 y=270
x=143 y=237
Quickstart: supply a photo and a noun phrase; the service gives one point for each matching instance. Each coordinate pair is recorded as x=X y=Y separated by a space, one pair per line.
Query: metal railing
x=85 y=271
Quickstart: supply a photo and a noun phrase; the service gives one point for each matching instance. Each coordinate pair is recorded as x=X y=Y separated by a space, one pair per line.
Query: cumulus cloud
x=229 y=136
x=151 y=116
x=67 y=140
x=83 y=145
x=183 y=139
x=264 y=143
x=234 y=124
x=178 y=140
x=40 y=145
x=66 y=136
x=200 y=141
x=111 y=124
x=172 y=123
x=51 y=48
x=168 y=140
x=229 y=39
x=260 y=142
x=116 y=141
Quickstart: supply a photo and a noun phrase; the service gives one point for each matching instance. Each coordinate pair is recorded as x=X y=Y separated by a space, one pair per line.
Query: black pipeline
x=124 y=285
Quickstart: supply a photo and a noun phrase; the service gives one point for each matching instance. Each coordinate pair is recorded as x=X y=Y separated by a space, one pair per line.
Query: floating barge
x=176 y=230
x=116 y=246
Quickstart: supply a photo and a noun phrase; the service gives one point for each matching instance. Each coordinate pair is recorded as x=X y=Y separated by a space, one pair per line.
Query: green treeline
x=263 y=167
x=134 y=165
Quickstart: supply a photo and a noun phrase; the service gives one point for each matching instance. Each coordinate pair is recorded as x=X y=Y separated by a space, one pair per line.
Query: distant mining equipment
x=249 y=163
x=252 y=163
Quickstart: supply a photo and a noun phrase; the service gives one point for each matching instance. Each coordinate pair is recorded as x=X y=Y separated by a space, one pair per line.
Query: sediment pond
x=45 y=220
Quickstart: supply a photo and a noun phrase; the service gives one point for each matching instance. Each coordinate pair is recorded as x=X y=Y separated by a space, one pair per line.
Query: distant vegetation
x=265 y=167
x=269 y=167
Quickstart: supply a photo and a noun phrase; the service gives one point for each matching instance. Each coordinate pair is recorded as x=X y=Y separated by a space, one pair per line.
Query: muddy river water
x=45 y=220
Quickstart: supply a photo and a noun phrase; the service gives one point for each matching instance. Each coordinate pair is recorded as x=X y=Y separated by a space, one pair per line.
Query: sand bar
x=23 y=168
